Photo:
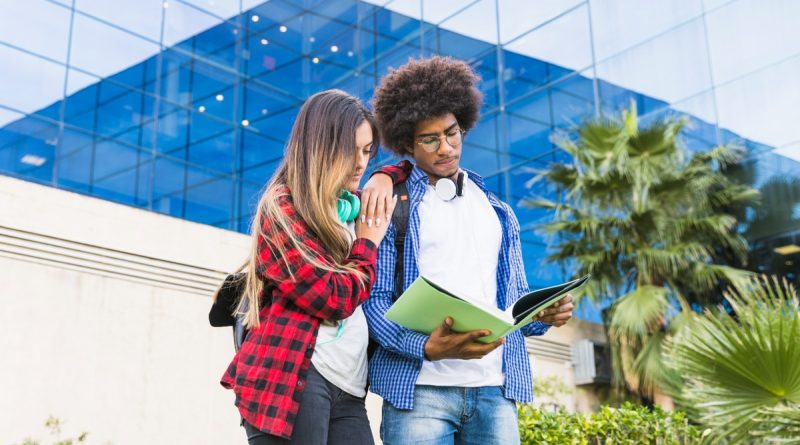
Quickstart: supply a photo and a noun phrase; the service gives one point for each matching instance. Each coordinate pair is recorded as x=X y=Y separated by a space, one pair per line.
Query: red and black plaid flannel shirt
x=268 y=373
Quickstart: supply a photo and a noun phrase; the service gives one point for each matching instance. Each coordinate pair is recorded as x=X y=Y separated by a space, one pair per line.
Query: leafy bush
x=629 y=424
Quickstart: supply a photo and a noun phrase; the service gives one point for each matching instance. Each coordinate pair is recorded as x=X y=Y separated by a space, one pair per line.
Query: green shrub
x=629 y=424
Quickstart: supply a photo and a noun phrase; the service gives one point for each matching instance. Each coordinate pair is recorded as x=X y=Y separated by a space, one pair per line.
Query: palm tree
x=741 y=368
x=647 y=220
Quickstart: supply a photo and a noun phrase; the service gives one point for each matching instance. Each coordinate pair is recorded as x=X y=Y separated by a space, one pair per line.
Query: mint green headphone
x=348 y=206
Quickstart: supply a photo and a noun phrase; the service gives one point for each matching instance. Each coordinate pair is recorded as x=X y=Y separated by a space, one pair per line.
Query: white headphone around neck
x=447 y=189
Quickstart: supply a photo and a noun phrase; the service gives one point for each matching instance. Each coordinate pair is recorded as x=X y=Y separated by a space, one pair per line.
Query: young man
x=446 y=387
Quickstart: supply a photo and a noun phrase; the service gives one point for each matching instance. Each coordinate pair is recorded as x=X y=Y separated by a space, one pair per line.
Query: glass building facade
x=183 y=106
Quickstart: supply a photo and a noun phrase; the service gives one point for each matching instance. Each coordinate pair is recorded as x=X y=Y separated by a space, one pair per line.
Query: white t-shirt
x=340 y=354
x=459 y=247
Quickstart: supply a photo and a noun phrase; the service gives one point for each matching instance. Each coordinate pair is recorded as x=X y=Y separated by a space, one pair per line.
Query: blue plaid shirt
x=395 y=365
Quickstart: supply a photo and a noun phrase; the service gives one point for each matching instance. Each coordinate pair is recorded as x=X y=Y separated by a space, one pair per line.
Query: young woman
x=300 y=374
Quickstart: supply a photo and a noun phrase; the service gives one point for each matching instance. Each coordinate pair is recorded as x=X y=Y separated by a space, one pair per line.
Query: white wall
x=104 y=321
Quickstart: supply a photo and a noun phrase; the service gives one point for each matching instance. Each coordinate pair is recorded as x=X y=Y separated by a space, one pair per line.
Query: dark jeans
x=327 y=416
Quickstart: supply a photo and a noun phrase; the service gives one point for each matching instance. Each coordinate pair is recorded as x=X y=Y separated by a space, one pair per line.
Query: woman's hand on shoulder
x=375 y=230
x=376 y=196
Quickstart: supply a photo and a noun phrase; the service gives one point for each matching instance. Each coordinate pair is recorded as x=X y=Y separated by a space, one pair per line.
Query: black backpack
x=223 y=310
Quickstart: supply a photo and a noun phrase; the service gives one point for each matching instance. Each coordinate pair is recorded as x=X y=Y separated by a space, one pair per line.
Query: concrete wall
x=104 y=323
x=551 y=360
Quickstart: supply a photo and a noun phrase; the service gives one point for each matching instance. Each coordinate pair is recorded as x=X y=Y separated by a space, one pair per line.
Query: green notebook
x=424 y=305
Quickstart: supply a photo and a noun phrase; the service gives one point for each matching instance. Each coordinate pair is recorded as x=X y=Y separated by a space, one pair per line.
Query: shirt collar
x=419 y=176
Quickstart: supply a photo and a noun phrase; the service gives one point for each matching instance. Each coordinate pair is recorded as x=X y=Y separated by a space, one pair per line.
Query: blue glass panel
x=173 y=130
x=265 y=55
x=524 y=74
x=576 y=85
x=271 y=14
x=323 y=75
x=340 y=49
x=176 y=73
x=535 y=107
x=322 y=33
x=117 y=172
x=169 y=205
x=28 y=148
x=540 y=273
x=288 y=78
x=131 y=77
x=218 y=44
x=275 y=125
x=367 y=52
x=448 y=43
x=569 y=109
x=111 y=158
x=585 y=309
x=485 y=133
x=204 y=127
x=287 y=33
x=210 y=203
x=479 y=160
x=249 y=194
x=260 y=173
x=53 y=111
x=203 y=85
x=527 y=138
x=396 y=55
x=494 y=184
x=75 y=161
x=169 y=179
x=345 y=11
x=118 y=113
x=614 y=98
x=215 y=152
x=257 y=149
x=80 y=107
x=391 y=24
x=356 y=85
x=486 y=67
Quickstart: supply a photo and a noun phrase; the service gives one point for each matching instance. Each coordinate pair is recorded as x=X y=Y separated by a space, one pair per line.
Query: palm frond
x=779 y=424
x=649 y=365
x=736 y=365
x=635 y=314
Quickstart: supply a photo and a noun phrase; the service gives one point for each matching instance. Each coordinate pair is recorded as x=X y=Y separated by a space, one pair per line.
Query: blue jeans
x=452 y=415
x=327 y=416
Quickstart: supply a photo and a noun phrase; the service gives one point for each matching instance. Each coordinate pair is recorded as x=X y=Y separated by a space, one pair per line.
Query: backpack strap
x=400 y=221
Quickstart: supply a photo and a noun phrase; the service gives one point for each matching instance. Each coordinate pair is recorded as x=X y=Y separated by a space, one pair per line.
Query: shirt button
x=300 y=383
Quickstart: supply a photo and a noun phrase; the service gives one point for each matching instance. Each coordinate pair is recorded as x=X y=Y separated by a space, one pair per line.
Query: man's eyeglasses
x=431 y=143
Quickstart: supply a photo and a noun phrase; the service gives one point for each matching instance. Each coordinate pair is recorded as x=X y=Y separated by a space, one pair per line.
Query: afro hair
x=424 y=89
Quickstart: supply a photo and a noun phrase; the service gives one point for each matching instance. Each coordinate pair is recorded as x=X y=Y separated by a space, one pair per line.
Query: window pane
x=625 y=23
x=657 y=68
x=144 y=19
x=571 y=31
x=37 y=83
x=27 y=148
x=22 y=24
x=103 y=50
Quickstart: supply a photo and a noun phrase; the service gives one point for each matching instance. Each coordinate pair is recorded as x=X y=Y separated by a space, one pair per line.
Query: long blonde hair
x=319 y=162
